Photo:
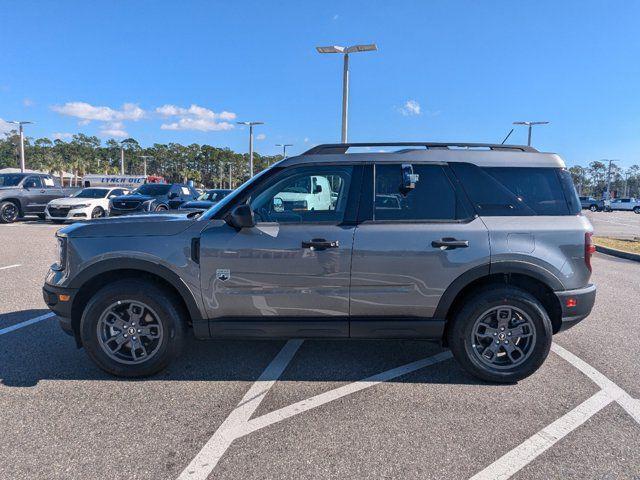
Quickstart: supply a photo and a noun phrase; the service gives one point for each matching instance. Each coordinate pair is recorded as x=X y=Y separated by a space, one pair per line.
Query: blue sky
x=471 y=67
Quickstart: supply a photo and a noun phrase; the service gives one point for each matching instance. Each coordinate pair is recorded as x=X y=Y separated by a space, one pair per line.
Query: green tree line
x=592 y=180
x=83 y=154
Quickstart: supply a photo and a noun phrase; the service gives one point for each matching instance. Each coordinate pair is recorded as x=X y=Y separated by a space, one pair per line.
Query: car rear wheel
x=593 y=208
x=9 y=212
x=97 y=212
x=161 y=208
x=636 y=210
x=132 y=328
x=501 y=334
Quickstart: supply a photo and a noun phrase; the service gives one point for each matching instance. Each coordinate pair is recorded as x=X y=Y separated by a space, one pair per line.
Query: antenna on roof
x=505 y=138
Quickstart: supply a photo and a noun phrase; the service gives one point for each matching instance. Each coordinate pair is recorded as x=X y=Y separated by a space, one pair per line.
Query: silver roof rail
x=339 y=148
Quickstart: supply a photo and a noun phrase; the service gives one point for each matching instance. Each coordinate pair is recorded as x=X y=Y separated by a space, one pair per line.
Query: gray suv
x=480 y=247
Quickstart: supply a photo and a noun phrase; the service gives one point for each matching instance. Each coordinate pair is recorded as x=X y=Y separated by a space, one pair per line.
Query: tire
x=59 y=222
x=636 y=210
x=161 y=208
x=97 y=212
x=9 y=212
x=42 y=216
x=469 y=349
x=166 y=331
x=593 y=208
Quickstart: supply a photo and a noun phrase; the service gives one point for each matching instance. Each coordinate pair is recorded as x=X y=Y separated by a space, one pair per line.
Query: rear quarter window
x=519 y=191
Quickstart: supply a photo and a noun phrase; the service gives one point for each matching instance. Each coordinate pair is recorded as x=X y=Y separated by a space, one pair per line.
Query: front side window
x=33 y=182
x=430 y=196
x=308 y=194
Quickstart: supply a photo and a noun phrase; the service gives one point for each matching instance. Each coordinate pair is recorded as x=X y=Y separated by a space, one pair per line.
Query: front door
x=288 y=275
x=35 y=195
x=414 y=243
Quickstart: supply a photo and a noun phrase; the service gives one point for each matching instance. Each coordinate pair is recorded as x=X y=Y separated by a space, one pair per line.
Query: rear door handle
x=449 y=243
x=320 y=244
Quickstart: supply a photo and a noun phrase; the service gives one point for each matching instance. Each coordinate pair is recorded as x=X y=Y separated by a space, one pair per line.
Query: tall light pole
x=345 y=51
x=530 y=125
x=284 y=148
x=230 y=187
x=144 y=157
x=20 y=124
x=250 y=124
x=608 y=196
x=122 y=158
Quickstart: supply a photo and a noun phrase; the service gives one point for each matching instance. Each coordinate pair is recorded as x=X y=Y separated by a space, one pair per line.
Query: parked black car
x=206 y=200
x=28 y=193
x=152 y=197
x=592 y=204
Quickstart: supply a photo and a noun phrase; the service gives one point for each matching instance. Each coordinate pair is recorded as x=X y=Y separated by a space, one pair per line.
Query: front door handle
x=449 y=243
x=320 y=244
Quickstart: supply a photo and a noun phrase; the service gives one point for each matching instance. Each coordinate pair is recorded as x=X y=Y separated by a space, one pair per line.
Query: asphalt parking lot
x=615 y=224
x=316 y=409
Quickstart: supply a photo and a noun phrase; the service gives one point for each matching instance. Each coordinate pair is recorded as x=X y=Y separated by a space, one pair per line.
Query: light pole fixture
x=345 y=51
x=144 y=157
x=284 y=148
x=250 y=124
x=530 y=125
x=20 y=124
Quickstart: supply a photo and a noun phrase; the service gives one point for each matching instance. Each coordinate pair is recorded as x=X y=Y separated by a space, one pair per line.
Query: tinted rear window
x=506 y=191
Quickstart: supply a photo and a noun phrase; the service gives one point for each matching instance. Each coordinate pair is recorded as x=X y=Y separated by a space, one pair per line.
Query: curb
x=618 y=253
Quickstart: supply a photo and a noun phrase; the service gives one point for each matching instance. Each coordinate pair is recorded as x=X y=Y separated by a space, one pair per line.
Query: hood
x=198 y=204
x=72 y=201
x=150 y=224
x=136 y=197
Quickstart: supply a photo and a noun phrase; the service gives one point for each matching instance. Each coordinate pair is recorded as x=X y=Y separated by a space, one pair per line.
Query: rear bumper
x=61 y=308
x=576 y=305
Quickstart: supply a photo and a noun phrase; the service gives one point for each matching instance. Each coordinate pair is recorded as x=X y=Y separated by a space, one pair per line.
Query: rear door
x=412 y=244
x=52 y=191
x=288 y=275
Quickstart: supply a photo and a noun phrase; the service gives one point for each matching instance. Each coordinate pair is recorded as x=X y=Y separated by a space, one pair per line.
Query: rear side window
x=509 y=191
x=433 y=198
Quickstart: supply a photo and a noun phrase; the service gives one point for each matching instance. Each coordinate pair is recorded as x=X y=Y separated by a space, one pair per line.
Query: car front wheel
x=9 y=212
x=501 y=334
x=636 y=210
x=132 y=328
x=593 y=208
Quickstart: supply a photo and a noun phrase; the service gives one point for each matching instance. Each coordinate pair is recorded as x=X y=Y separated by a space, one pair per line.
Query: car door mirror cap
x=241 y=217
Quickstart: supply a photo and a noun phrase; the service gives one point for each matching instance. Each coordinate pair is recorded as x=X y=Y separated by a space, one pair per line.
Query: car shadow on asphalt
x=43 y=352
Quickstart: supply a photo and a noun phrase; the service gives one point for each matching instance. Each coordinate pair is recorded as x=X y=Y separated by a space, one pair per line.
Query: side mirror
x=317 y=189
x=409 y=179
x=241 y=217
x=278 y=205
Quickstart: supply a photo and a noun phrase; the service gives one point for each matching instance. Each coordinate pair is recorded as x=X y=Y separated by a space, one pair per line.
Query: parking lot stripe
x=523 y=454
x=326 y=397
x=207 y=459
x=10 y=266
x=26 y=323
x=631 y=405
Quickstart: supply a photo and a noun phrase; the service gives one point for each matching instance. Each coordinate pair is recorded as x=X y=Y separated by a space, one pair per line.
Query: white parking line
x=204 y=463
x=238 y=424
x=10 y=266
x=530 y=449
x=26 y=323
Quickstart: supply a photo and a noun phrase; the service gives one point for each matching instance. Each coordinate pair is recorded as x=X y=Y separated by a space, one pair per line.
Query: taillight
x=589 y=249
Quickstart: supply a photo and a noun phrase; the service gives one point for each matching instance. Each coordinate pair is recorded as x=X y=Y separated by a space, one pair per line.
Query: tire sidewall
x=159 y=300
x=462 y=345
x=5 y=205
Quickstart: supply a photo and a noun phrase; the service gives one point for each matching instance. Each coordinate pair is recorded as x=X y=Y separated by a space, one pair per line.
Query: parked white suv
x=624 y=204
x=87 y=203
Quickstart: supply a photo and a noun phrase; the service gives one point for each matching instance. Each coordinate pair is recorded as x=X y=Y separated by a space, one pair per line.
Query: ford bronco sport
x=481 y=247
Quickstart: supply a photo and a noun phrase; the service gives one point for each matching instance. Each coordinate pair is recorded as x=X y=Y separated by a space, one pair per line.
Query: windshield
x=233 y=195
x=91 y=193
x=152 y=189
x=214 y=195
x=10 y=179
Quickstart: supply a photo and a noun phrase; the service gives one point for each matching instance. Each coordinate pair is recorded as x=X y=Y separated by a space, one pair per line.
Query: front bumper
x=72 y=214
x=576 y=305
x=54 y=298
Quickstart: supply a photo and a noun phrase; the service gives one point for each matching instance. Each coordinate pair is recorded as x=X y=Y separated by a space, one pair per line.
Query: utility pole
x=121 y=159
x=250 y=124
x=21 y=130
x=530 y=125
x=608 y=196
x=144 y=157
x=284 y=148
x=230 y=187
x=345 y=76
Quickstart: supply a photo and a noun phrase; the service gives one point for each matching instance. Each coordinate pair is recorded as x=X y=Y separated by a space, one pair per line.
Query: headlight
x=81 y=205
x=62 y=253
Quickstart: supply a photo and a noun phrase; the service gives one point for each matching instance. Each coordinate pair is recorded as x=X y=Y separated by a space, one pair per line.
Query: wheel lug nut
x=506 y=341
x=509 y=333
x=495 y=334
x=133 y=338
x=139 y=331
x=498 y=341
x=125 y=335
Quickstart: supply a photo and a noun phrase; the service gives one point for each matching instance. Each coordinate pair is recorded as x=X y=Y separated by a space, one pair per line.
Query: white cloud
x=410 y=107
x=27 y=102
x=336 y=16
x=306 y=139
x=6 y=127
x=87 y=112
x=114 y=129
x=195 y=118
x=61 y=135
x=261 y=136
